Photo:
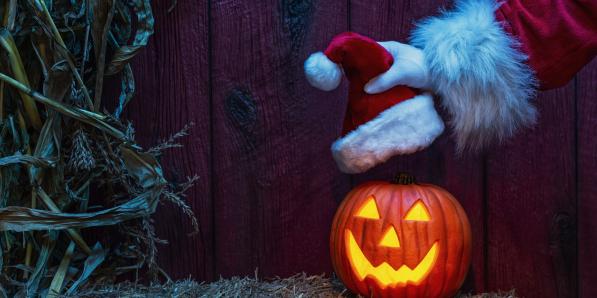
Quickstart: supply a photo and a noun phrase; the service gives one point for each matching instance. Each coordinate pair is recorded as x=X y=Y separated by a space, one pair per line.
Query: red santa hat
x=376 y=127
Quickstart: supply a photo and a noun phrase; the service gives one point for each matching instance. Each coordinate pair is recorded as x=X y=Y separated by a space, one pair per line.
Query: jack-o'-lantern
x=401 y=239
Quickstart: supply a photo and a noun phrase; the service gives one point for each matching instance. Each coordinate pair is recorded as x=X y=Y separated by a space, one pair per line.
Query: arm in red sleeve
x=479 y=72
x=487 y=57
x=558 y=36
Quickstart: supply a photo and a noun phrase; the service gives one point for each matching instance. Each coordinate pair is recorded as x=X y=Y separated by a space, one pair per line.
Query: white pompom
x=322 y=73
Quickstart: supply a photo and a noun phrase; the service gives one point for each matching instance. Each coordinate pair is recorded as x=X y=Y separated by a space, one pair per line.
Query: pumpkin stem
x=404 y=179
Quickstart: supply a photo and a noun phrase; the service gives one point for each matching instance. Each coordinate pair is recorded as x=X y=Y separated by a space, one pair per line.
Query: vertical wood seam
x=351 y=180
x=211 y=142
x=485 y=221
x=576 y=186
x=348 y=16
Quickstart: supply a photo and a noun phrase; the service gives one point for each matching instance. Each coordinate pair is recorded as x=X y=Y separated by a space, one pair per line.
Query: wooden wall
x=269 y=186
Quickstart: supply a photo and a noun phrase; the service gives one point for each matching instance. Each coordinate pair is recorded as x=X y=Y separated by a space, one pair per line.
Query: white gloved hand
x=409 y=69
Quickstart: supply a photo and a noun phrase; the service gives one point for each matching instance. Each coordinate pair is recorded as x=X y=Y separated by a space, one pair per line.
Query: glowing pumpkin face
x=406 y=240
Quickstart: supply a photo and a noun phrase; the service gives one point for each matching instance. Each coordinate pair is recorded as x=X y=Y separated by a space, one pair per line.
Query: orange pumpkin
x=401 y=239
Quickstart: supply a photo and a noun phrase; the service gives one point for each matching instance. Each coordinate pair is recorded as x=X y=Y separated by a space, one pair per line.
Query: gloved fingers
x=391 y=77
x=385 y=81
x=391 y=46
x=408 y=69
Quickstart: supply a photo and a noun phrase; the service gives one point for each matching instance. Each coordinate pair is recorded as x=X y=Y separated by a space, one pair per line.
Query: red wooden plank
x=532 y=204
x=276 y=186
x=587 y=180
x=172 y=90
x=462 y=176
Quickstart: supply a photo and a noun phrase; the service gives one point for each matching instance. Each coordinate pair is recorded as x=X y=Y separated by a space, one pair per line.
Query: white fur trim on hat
x=404 y=128
x=322 y=73
x=475 y=66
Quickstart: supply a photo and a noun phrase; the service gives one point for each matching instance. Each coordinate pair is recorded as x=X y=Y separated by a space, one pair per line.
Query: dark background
x=269 y=187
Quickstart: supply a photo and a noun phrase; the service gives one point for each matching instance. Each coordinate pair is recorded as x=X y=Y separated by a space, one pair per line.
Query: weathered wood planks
x=586 y=108
x=172 y=81
x=269 y=186
x=531 y=204
x=276 y=186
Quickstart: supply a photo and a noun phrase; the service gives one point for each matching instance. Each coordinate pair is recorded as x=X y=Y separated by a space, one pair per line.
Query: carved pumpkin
x=401 y=239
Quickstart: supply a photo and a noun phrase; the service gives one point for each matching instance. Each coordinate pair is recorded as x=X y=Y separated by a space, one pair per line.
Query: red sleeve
x=559 y=36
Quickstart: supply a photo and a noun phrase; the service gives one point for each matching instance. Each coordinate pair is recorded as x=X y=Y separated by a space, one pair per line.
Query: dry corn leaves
x=64 y=164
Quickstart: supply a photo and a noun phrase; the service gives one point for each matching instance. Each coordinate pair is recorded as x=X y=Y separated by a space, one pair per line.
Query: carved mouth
x=385 y=274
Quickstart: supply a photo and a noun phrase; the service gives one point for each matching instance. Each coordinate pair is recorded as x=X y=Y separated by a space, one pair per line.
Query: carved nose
x=390 y=238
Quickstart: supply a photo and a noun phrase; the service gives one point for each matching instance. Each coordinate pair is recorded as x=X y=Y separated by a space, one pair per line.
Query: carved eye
x=369 y=209
x=418 y=212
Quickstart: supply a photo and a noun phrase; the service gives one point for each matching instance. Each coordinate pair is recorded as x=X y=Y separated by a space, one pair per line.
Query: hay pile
x=297 y=286
x=67 y=164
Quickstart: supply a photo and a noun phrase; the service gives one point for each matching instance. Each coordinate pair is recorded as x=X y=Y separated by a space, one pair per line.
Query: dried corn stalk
x=64 y=165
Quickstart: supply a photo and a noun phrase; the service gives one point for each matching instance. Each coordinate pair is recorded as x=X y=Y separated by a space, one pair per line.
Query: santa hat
x=376 y=127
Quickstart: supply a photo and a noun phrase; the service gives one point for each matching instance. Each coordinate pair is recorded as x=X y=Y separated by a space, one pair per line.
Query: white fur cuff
x=477 y=70
x=404 y=128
